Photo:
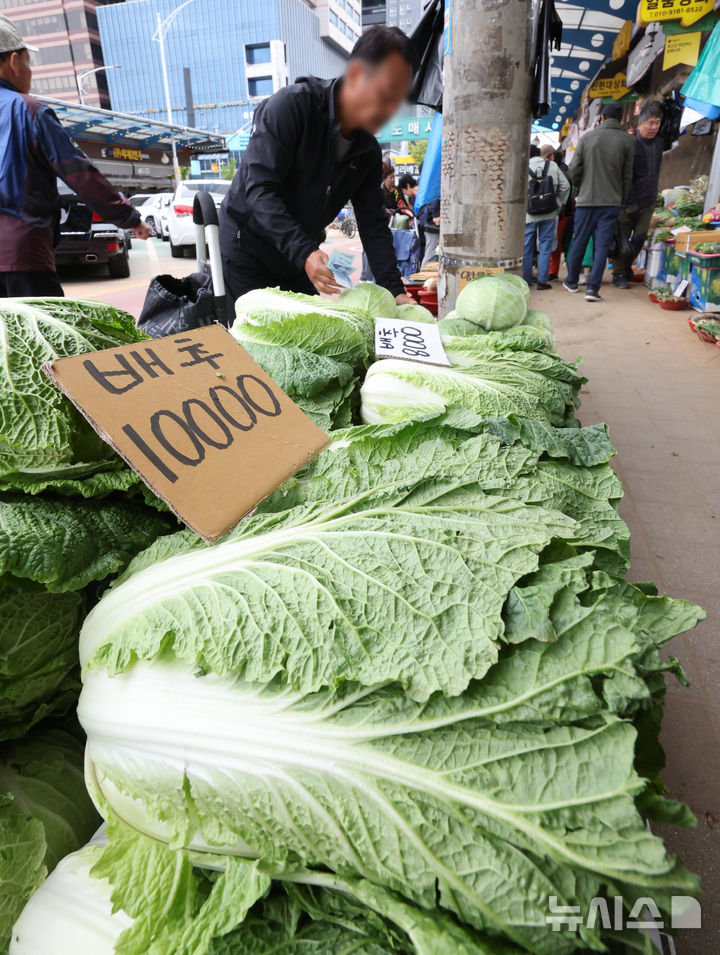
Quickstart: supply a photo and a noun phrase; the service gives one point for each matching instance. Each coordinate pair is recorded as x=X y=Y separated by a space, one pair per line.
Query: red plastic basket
x=428 y=298
x=705 y=336
x=414 y=292
x=653 y=298
x=674 y=305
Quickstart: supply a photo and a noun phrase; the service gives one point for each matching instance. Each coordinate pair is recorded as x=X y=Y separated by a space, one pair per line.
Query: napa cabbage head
x=45 y=812
x=40 y=429
x=307 y=322
x=395 y=390
x=492 y=302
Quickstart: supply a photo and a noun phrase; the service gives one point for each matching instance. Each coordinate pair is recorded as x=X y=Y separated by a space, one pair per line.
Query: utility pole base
x=486 y=140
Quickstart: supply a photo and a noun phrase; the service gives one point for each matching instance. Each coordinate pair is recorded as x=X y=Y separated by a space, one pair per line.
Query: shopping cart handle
x=204 y=209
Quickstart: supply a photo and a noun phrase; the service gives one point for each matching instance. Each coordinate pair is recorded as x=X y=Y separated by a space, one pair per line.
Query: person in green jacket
x=602 y=171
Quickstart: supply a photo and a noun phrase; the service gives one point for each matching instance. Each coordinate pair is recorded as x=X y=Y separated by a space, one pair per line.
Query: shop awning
x=91 y=122
x=589 y=32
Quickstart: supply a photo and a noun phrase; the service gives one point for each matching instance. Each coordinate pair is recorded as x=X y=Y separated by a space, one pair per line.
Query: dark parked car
x=85 y=238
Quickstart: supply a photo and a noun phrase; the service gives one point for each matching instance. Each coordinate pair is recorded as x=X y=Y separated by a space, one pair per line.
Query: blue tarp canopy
x=589 y=32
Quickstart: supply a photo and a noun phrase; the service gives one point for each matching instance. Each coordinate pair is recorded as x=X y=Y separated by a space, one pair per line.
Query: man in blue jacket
x=34 y=151
x=312 y=149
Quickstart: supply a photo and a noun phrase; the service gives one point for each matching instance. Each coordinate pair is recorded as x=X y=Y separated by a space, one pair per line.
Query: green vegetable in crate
x=688 y=207
x=708 y=248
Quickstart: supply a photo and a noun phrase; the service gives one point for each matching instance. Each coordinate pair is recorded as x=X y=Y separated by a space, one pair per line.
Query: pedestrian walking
x=389 y=192
x=429 y=222
x=548 y=191
x=407 y=189
x=565 y=223
x=635 y=217
x=34 y=151
x=602 y=172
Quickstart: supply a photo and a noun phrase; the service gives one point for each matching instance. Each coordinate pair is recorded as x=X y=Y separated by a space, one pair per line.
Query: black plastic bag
x=175 y=305
x=621 y=247
x=428 y=38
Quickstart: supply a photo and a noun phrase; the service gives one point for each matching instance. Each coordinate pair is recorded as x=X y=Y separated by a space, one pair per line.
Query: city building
x=66 y=33
x=222 y=57
x=395 y=13
x=340 y=21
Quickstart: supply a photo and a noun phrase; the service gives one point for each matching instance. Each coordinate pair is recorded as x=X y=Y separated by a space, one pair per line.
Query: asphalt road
x=148 y=259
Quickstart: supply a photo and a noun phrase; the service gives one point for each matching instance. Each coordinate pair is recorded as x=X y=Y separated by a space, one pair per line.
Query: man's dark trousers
x=599 y=222
x=30 y=285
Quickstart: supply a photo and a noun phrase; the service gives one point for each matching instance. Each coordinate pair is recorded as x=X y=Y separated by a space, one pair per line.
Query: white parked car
x=164 y=230
x=180 y=220
x=151 y=212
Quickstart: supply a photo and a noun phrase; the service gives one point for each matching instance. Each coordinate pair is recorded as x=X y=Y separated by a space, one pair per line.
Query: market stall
x=409 y=705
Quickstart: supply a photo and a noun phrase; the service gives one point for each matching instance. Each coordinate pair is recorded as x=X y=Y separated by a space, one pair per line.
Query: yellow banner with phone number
x=686 y=11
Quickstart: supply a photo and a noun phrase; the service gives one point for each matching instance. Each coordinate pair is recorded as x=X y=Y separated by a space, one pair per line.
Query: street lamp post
x=159 y=37
x=81 y=79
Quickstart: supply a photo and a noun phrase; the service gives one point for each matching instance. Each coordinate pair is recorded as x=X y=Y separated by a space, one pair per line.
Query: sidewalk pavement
x=658 y=388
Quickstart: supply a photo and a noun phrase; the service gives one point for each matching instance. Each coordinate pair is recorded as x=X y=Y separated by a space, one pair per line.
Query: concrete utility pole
x=486 y=136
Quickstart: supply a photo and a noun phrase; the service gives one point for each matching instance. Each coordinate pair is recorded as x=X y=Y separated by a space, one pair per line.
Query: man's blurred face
x=374 y=92
x=16 y=69
x=650 y=128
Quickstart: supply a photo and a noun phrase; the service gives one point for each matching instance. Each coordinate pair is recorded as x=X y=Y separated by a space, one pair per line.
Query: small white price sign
x=680 y=287
x=415 y=341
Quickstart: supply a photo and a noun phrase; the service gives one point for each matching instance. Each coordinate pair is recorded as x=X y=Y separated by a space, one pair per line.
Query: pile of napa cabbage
x=409 y=704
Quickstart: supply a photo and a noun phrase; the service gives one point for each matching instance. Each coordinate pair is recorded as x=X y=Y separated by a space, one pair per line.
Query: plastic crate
x=704 y=289
x=705 y=260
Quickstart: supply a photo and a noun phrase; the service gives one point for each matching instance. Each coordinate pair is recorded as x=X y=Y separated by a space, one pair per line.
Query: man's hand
x=404 y=300
x=141 y=231
x=319 y=274
x=437 y=220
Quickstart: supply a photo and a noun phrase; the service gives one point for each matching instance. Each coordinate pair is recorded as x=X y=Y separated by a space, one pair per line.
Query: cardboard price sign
x=202 y=424
x=467 y=275
x=414 y=341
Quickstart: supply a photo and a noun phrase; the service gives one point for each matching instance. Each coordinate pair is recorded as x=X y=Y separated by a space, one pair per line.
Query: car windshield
x=219 y=188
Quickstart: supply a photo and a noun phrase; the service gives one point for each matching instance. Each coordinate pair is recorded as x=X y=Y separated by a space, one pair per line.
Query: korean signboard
x=686 y=11
x=406 y=128
x=609 y=86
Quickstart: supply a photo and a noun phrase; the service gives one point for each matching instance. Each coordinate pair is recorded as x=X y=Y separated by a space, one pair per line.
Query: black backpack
x=541 y=192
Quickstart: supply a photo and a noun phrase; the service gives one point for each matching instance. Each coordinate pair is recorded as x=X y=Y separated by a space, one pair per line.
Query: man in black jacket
x=311 y=150
x=641 y=202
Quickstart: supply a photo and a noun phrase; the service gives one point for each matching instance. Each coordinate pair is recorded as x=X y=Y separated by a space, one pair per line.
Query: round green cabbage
x=374 y=300
x=415 y=313
x=493 y=303
x=452 y=325
x=517 y=281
